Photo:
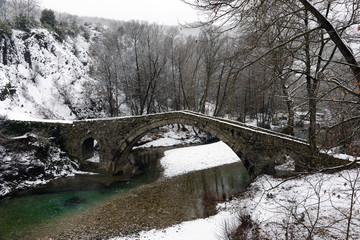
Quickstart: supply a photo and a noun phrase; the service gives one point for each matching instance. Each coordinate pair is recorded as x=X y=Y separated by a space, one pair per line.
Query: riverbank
x=275 y=208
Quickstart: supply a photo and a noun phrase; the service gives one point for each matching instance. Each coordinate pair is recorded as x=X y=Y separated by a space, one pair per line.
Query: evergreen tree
x=5 y=28
x=23 y=23
x=48 y=19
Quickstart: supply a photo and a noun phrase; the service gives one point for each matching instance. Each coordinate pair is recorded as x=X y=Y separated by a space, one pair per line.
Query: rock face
x=30 y=158
x=41 y=77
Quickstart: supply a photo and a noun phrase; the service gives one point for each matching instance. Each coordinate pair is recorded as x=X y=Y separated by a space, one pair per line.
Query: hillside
x=42 y=77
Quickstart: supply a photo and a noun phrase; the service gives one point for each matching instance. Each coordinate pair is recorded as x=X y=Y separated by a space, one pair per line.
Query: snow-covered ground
x=52 y=82
x=316 y=205
x=183 y=160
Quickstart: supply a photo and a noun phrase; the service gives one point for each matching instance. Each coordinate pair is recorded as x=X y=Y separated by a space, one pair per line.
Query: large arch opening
x=90 y=150
x=257 y=155
x=175 y=135
x=120 y=159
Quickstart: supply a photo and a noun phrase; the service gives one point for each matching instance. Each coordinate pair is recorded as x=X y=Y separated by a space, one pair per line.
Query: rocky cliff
x=43 y=77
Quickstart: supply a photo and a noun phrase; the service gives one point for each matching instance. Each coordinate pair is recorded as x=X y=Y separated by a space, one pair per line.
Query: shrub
x=73 y=28
x=8 y=90
x=244 y=228
x=25 y=24
x=248 y=228
x=48 y=19
x=86 y=34
x=5 y=29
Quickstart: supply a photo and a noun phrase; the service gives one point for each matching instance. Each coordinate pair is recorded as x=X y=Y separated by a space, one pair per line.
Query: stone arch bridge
x=259 y=149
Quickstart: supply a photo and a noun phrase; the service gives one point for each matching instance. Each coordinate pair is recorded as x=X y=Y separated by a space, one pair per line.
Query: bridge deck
x=248 y=127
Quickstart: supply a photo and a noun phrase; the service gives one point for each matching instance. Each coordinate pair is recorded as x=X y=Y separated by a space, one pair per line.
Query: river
x=83 y=205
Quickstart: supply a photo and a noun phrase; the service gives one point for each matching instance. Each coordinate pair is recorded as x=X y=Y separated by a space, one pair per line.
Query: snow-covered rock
x=39 y=164
x=42 y=77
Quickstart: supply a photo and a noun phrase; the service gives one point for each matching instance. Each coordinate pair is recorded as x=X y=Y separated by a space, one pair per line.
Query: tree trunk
x=140 y=109
x=311 y=86
x=290 y=109
x=217 y=110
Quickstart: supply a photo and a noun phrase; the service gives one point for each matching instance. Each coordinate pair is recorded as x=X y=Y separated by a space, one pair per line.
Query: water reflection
x=213 y=185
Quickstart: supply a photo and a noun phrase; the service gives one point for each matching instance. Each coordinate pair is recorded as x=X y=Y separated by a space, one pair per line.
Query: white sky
x=167 y=12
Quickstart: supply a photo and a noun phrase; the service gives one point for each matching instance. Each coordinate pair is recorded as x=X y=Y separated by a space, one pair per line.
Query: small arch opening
x=90 y=150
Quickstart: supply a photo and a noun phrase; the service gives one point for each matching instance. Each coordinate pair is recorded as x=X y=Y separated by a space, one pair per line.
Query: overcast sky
x=168 y=12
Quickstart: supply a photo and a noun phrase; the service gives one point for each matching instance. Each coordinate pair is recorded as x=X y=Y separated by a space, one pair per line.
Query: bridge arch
x=257 y=148
x=90 y=150
x=120 y=158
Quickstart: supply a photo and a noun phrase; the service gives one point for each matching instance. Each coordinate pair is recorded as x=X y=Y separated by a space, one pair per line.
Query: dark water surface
x=73 y=195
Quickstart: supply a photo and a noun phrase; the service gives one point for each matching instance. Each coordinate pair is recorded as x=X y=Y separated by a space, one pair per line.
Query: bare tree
x=315 y=30
x=5 y=10
x=347 y=213
x=189 y=67
x=107 y=56
x=26 y=8
x=235 y=12
x=210 y=48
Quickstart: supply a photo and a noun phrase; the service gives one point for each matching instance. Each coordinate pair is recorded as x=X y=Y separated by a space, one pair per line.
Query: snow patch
x=201 y=229
x=94 y=159
x=184 y=160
